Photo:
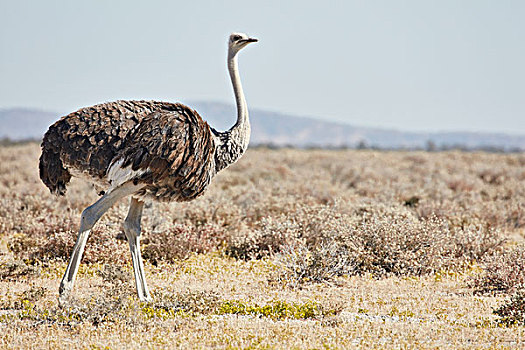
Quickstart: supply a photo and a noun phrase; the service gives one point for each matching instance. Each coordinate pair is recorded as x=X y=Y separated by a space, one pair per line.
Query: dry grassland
x=287 y=249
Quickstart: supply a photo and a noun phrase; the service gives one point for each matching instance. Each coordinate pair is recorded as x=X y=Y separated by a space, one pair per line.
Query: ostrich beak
x=251 y=40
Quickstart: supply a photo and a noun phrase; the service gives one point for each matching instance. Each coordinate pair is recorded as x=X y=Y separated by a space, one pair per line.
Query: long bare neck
x=242 y=126
x=234 y=142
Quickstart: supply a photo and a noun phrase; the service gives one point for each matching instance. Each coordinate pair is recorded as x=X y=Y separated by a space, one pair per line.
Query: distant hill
x=272 y=128
x=281 y=130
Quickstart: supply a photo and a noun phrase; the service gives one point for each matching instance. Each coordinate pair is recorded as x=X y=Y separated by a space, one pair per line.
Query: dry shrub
x=502 y=272
x=402 y=245
x=248 y=244
x=496 y=214
x=38 y=247
x=113 y=305
x=307 y=224
x=98 y=310
x=102 y=246
x=512 y=312
x=320 y=263
x=476 y=241
x=318 y=243
x=179 y=241
x=516 y=216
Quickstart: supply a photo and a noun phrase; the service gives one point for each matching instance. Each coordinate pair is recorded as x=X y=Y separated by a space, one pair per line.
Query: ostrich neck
x=233 y=143
x=242 y=126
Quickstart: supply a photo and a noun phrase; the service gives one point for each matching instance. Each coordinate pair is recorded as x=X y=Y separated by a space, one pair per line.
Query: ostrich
x=143 y=149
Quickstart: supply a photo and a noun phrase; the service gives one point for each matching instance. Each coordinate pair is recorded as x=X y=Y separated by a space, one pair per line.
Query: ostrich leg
x=132 y=230
x=90 y=216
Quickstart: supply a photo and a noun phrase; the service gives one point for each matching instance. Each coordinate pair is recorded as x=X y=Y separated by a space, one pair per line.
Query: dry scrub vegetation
x=288 y=248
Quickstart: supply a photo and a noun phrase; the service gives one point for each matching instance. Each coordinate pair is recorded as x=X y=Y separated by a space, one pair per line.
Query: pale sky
x=411 y=65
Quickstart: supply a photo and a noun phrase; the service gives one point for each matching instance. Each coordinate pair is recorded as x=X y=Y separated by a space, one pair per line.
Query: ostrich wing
x=171 y=153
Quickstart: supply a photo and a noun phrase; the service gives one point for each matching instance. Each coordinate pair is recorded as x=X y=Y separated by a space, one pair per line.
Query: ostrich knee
x=88 y=219
x=131 y=229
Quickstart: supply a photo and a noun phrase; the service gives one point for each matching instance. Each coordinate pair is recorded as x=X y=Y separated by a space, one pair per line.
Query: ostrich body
x=148 y=150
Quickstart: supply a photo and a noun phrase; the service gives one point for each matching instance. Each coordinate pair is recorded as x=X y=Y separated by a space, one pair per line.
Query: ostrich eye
x=236 y=37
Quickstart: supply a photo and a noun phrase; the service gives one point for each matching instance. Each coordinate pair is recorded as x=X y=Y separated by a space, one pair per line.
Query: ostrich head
x=238 y=41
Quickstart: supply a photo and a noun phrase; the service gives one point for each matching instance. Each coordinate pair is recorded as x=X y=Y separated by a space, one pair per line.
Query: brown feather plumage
x=175 y=151
x=146 y=134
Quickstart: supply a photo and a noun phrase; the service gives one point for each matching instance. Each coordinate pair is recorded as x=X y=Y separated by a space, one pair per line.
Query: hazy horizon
x=412 y=66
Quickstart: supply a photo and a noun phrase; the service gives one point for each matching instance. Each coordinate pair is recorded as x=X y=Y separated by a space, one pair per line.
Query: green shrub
x=276 y=309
